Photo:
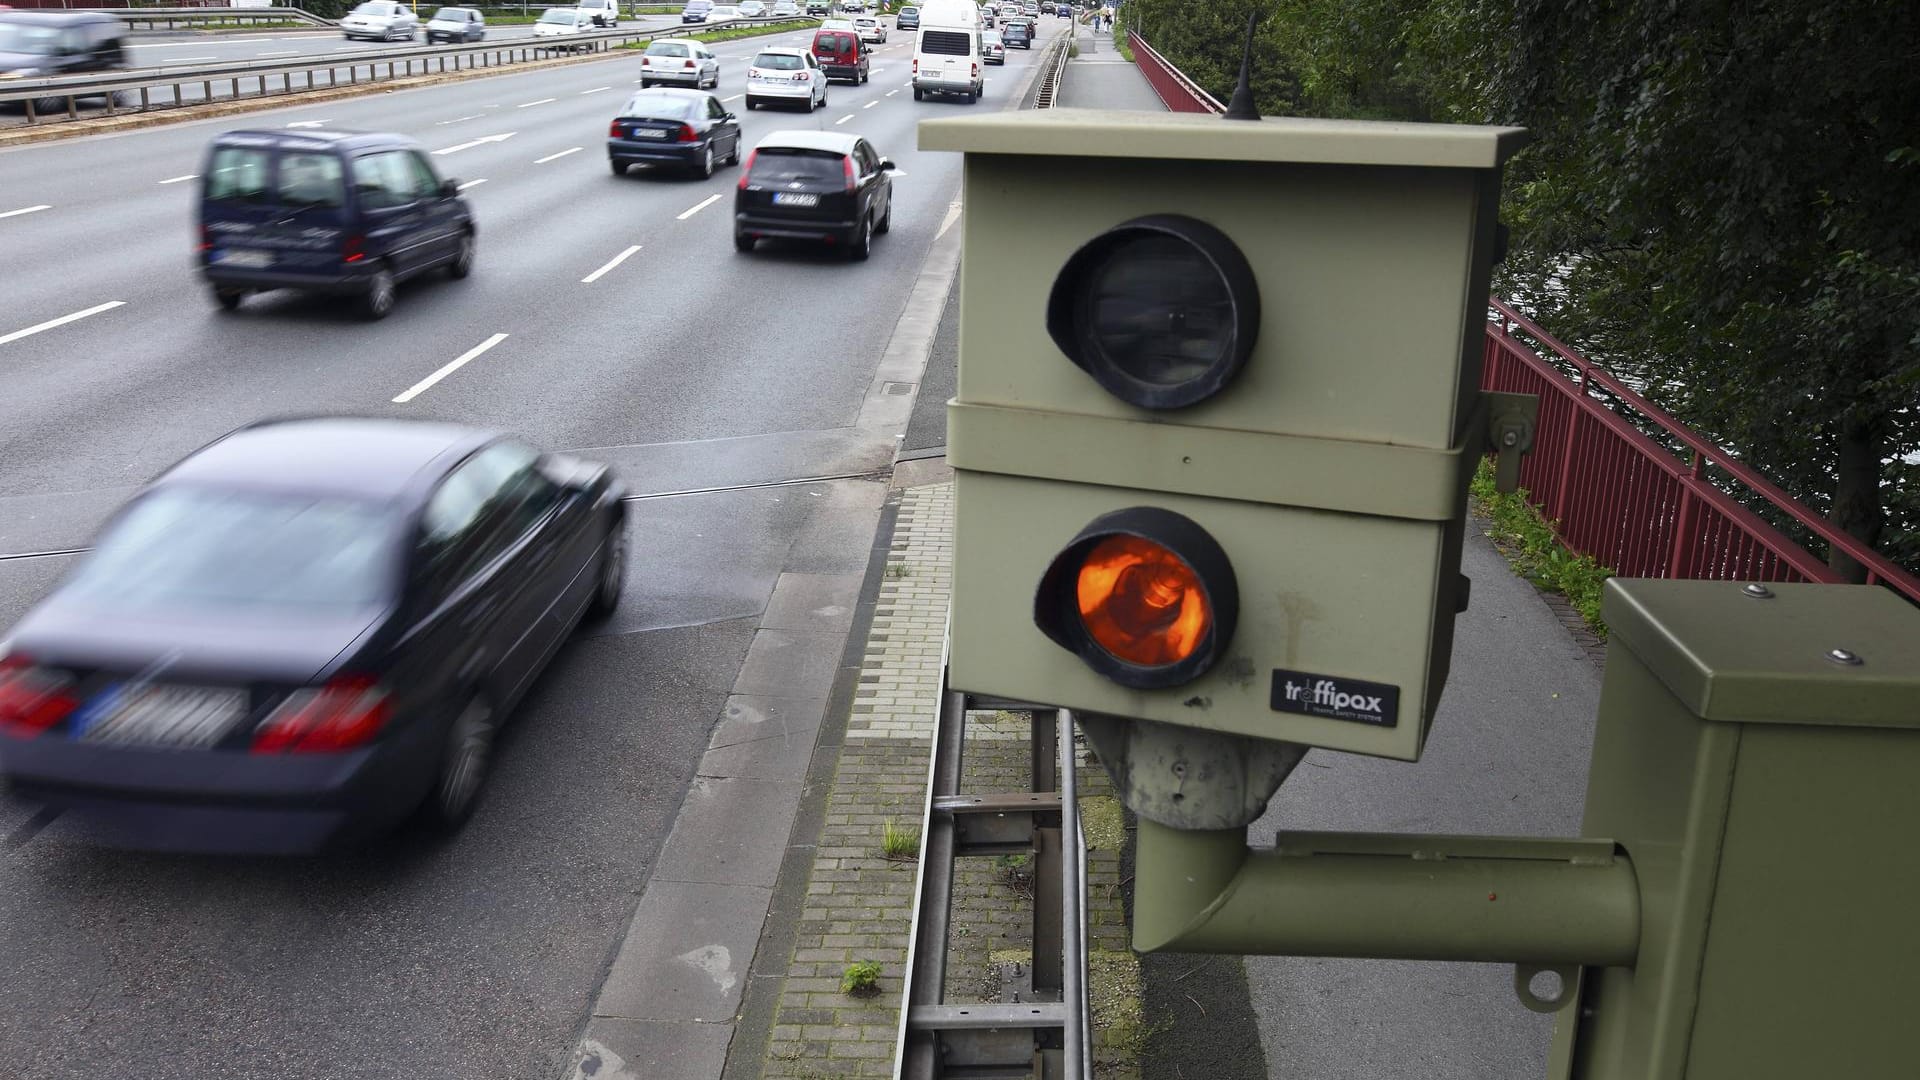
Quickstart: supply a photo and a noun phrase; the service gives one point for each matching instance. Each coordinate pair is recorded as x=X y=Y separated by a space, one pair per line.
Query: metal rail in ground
x=1045 y=1036
x=1054 y=73
x=261 y=78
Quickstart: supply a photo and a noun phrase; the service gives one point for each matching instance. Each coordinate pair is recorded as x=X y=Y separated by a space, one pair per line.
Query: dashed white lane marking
x=890 y=93
x=870 y=104
x=595 y=90
x=735 y=97
x=280 y=52
x=181 y=179
x=306 y=123
x=189 y=59
x=471 y=183
x=42 y=206
x=843 y=120
x=561 y=154
x=699 y=206
x=471 y=143
x=531 y=104
x=426 y=384
x=611 y=263
x=61 y=321
x=457 y=119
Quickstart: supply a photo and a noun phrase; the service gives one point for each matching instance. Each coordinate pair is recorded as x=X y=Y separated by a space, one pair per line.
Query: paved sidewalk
x=1100 y=78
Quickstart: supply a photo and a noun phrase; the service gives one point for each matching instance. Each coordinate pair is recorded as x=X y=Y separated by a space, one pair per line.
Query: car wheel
x=752 y=104
x=862 y=240
x=378 y=299
x=733 y=155
x=463 y=767
x=706 y=161
x=917 y=95
x=886 y=219
x=613 y=574
x=646 y=84
x=462 y=264
x=619 y=167
x=742 y=242
x=229 y=299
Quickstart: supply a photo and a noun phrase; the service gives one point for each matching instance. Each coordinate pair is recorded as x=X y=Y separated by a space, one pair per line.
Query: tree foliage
x=1722 y=200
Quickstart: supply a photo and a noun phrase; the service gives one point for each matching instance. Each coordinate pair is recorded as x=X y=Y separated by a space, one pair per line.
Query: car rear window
x=667 y=48
x=837 y=41
x=204 y=548
x=238 y=174
x=698 y=5
x=310 y=180
x=785 y=164
x=659 y=107
x=777 y=62
x=946 y=42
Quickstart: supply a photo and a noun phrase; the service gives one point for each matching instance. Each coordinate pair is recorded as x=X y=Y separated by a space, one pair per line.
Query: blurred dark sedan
x=685 y=128
x=304 y=633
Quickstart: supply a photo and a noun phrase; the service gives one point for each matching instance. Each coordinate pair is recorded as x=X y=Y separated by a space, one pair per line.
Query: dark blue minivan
x=346 y=213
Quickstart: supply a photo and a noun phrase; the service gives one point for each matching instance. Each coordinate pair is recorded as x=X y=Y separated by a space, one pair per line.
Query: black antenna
x=1242 y=106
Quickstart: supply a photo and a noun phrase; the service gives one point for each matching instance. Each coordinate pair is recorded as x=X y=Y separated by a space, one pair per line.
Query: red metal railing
x=1631 y=503
x=1177 y=92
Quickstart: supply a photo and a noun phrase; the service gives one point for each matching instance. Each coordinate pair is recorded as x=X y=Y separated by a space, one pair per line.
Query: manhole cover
x=896 y=389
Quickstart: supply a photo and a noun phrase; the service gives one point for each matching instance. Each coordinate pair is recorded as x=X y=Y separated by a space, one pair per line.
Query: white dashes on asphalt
x=699 y=206
x=181 y=179
x=472 y=183
x=555 y=157
x=464 y=358
x=531 y=104
x=611 y=263
x=61 y=321
x=26 y=210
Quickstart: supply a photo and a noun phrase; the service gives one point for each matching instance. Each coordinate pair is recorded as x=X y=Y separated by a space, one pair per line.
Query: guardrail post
x=1684 y=520
x=1048 y=850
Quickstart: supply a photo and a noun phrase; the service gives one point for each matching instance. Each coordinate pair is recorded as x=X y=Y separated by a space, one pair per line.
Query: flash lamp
x=1162 y=310
x=1143 y=596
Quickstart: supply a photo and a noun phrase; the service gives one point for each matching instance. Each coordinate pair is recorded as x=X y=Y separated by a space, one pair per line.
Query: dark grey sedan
x=305 y=633
x=457 y=25
x=688 y=129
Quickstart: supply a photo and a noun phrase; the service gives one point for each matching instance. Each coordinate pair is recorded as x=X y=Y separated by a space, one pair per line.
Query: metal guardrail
x=1176 y=91
x=1054 y=72
x=1048 y=1034
x=261 y=75
x=172 y=17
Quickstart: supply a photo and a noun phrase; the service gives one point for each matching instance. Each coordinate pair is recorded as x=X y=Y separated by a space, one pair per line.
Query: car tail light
x=976 y=71
x=852 y=183
x=33 y=698
x=613 y=130
x=687 y=134
x=689 y=65
x=353 y=249
x=747 y=169
x=206 y=240
x=343 y=714
x=916 y=65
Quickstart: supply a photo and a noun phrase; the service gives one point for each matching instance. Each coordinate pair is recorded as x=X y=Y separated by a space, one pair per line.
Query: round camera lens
x=1159 y=310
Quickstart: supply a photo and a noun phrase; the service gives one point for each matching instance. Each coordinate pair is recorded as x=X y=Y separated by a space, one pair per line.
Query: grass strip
x=1527 y=539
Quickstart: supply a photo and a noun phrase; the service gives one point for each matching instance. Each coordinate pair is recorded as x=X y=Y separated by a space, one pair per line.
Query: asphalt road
x=170 y=50
x=687 y=365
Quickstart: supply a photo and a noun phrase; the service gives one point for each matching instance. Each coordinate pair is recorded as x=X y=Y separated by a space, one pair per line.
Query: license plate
x=159 y=715
x=249 y=260
x=648 y=133
x=795 y=198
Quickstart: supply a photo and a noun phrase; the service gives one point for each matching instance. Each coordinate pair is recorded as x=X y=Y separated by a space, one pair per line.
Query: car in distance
x=305 y=633
x=788 y=76
x=1046 y=8
x=334 y=212
x=696 y=11
x=688 y=129
x=563 y=23
x=683 y=63
x=992 y=49
x=456 y=24
x=41 y=43
x=1065 y=11
x=785 y=9
x=722 y=12
x=820 y=8
x=752 y=9
x=380 y=20
x=853 y=7
x=907 y=18
x=605 y=13
x=1030 y=10
x=870 y=29
x=842 y=53
x=822 y=186
x=1017 y=32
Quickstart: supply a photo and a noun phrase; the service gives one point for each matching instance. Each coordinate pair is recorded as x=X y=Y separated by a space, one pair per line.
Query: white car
x=723 y=11
x=785 y=9
x=790 y=76
x=752 y=9
x=870 y=28
x=605 y=13
x=679 y=63
x=563 y=22
x=381 y=20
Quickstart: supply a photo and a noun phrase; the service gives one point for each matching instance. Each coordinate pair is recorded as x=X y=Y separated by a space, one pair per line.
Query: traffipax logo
x=1335 y=698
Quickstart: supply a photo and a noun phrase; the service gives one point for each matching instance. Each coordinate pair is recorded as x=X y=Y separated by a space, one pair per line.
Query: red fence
x=1612 y=491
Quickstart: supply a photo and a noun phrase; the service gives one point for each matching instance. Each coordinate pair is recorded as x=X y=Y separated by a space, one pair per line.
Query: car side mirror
x=449 y=188
x=728 y=116
x=886 y=164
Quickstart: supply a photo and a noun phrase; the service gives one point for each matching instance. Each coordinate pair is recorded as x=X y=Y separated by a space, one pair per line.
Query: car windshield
x=659 y=107
x=666 y=48
x=207 y=548
x=785 y=164
x=378 y=7
x=450 y=14
x=34 y=40
x=777 y=62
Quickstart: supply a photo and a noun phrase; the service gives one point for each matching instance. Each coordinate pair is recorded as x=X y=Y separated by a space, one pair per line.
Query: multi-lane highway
x=176 y=50
x=619 y=322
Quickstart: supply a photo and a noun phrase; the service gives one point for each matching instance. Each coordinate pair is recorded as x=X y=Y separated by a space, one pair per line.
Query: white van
x=605 y=13
x=946 y=58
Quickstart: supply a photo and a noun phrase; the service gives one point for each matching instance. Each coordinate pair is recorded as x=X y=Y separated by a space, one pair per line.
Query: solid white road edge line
x=425 y=384
x=62 y=321
x=611 y=263
x=561 y=154
x=699 y=206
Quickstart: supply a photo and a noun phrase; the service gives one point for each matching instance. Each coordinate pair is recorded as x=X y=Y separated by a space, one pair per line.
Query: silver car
x=381 y=20
x=752 y=9
x=456 y=24
x=679 y=63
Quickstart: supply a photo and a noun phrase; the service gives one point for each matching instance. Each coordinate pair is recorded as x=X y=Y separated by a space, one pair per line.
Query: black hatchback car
x=333 y=212
x=814 y=185
x=1017 y=33
x=305 y=633
x=40 y=43
x=688 y=129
